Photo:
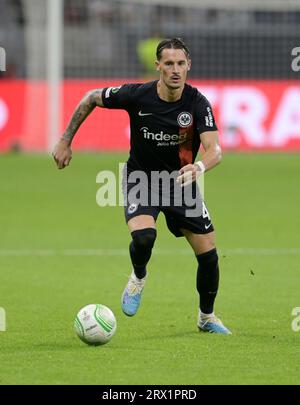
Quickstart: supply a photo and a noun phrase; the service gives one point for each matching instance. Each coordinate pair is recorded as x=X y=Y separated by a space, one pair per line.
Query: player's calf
x=140 y=253
x=140 y=249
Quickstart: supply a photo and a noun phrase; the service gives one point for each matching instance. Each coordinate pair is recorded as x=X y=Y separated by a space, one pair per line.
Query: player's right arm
x=62 y=152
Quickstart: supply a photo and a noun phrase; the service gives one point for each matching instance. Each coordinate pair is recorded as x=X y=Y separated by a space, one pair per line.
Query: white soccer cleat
x=132 y=295
x=211 y=324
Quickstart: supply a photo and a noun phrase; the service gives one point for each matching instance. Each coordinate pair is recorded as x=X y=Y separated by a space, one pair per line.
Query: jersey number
x=205 y=213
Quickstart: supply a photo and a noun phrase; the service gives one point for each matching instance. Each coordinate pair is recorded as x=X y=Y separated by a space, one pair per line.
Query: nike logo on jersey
x=207 y=226
x=141 y=114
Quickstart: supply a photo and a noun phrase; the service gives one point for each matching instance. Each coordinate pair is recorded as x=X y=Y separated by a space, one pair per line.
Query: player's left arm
x=212 y=150
x=211 y=157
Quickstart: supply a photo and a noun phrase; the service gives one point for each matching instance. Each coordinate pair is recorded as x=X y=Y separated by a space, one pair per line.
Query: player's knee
x=144 y=238
x=208 y=258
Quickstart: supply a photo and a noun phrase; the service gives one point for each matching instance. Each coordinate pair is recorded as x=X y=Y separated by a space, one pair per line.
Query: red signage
x=251 y=115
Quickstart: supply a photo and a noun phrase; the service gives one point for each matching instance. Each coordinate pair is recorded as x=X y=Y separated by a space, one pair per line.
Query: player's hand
x=62 y=154
x=188 y=174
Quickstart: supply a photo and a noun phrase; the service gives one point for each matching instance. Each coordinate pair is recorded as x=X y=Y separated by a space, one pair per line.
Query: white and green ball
x=95 y=324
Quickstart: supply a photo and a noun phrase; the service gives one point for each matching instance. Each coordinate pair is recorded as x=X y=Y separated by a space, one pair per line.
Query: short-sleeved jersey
x=164 y=135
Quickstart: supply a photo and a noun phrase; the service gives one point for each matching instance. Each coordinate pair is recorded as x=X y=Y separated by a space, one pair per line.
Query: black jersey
x=164 y=135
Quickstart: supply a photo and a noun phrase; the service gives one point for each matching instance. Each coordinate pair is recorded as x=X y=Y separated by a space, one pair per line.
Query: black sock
x=140 y=249
x=208 y=280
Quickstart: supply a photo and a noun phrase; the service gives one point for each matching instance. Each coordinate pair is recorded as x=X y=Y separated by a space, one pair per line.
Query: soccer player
x=168 y=120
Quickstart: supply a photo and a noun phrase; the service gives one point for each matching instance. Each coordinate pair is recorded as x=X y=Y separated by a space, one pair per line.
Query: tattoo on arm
x=92 y=99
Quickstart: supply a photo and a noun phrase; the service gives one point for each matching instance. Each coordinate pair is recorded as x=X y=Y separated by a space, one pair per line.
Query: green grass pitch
x=60 y=251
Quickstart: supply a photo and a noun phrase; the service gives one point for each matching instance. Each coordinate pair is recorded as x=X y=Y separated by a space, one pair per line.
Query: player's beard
x=173 y=85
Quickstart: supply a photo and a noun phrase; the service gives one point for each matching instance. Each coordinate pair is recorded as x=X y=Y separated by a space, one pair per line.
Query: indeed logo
x=160 y=136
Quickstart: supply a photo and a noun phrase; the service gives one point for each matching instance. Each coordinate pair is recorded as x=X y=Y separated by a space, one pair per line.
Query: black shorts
x=194 y=218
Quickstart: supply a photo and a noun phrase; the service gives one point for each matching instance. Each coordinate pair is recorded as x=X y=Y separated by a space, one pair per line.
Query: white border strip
x=265 y=5
x=158 y=251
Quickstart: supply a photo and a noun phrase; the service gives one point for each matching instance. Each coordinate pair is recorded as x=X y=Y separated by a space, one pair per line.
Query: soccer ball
x=95 y=324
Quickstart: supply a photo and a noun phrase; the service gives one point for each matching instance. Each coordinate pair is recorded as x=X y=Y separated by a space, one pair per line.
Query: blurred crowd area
x=117 y=38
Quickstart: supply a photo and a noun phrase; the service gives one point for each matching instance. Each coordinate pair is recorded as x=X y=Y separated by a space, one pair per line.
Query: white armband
x=201 y=166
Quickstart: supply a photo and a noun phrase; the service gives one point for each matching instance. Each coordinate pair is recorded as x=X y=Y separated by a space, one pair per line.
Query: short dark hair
x=173 y=43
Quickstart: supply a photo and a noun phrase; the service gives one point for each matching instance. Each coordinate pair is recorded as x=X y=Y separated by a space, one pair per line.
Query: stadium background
x=60 y=251
x=242 y=60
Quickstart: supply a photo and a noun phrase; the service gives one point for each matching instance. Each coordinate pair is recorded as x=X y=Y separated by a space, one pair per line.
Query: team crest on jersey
x=132 y=208
x=184 y=119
